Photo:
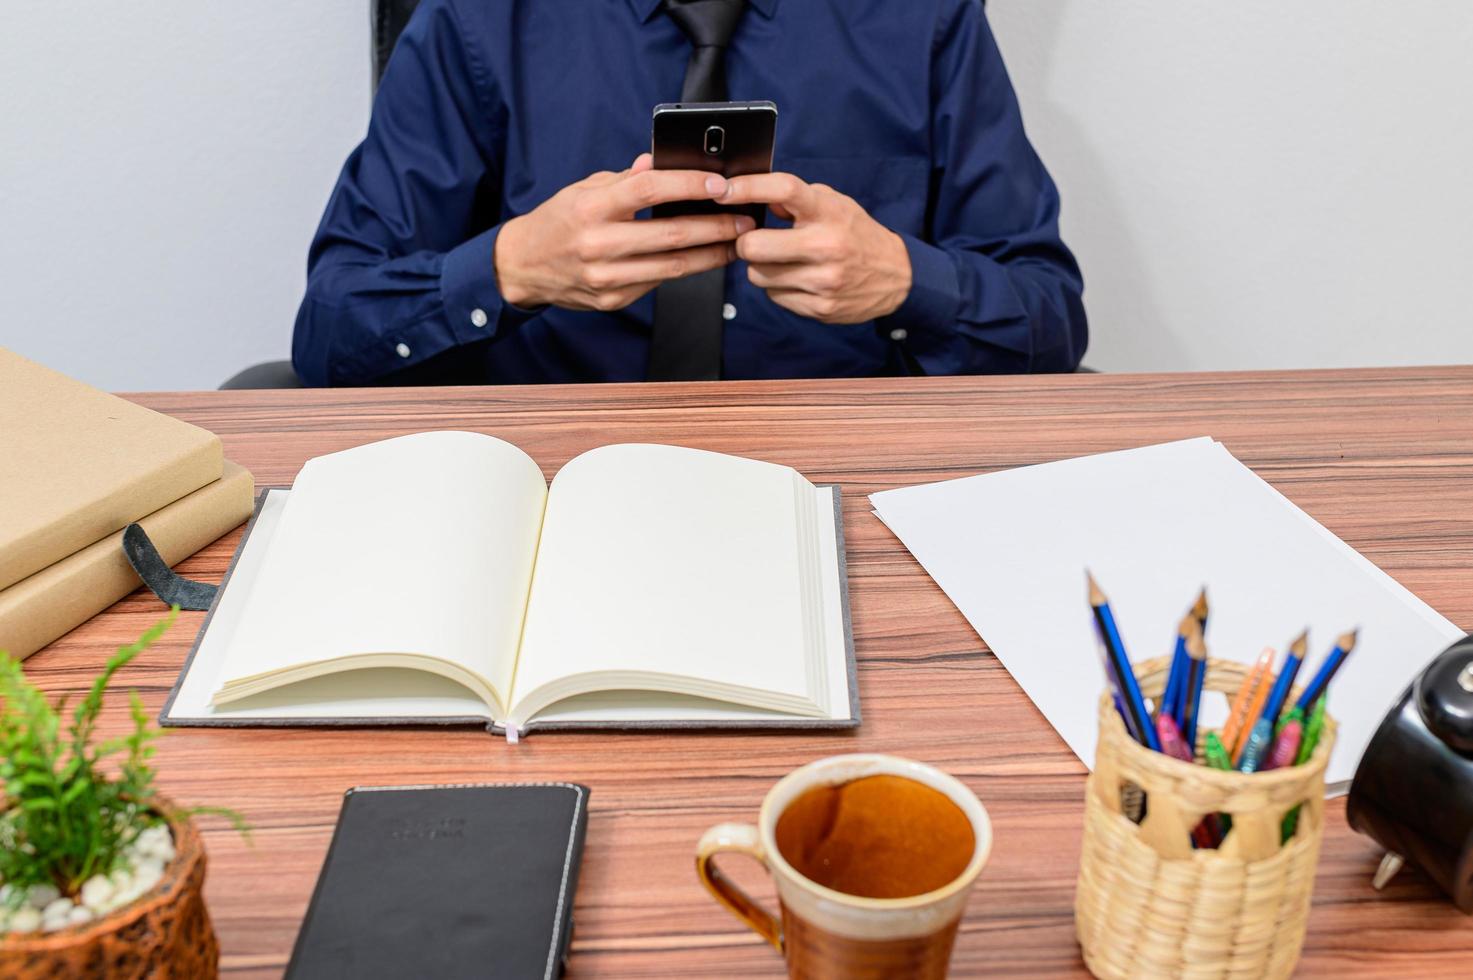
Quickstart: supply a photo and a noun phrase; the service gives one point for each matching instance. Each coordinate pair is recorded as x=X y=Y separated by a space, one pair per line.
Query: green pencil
x=1216 y=753
x=1217 y=758
x=1312 y=731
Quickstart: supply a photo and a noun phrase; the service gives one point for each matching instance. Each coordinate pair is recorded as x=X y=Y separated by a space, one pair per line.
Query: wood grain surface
x=1384 y=458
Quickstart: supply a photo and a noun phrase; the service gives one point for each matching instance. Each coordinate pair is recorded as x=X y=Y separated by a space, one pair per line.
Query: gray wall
x=1248 y=184
x=1258 y=184
x=163 y=165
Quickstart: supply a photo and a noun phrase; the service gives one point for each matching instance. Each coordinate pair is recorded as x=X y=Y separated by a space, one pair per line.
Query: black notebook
x=446 y=882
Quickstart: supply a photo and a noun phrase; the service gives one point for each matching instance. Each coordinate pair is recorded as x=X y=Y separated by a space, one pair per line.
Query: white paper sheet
x=1153 y=525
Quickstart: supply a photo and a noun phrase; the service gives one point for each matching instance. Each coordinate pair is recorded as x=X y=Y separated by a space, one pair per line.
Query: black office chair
x=388 y=18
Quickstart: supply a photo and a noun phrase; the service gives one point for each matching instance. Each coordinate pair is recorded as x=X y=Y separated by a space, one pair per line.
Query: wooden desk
x=1384 y=458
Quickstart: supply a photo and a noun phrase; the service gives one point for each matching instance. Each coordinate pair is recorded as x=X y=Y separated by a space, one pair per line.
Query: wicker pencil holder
x=1147 y=904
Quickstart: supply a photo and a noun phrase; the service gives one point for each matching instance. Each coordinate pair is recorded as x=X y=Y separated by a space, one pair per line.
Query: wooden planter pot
x=165 y=935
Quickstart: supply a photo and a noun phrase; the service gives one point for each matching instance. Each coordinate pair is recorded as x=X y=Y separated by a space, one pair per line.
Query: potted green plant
x=99 y=874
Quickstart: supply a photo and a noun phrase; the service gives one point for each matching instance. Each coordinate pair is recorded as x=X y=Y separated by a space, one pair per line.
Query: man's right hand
x=581 y=249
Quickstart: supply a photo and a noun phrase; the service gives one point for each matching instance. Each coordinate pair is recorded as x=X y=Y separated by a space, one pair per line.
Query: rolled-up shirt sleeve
x=396 y=274
x=993 y=287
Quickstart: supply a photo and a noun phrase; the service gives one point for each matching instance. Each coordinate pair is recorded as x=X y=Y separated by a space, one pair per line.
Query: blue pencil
x=1326 y=673
x=1261 y=735
x=1279 y=694
x=1196 y=676
x=1168 y=703
x=1118 y=669
x=1199 y=613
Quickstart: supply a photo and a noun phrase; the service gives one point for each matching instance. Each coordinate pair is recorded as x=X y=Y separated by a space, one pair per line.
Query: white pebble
x=25 y=919
x=155 y=838
x=96 y=891
x=60 y=908
x=40 y=896
x=161 y=849
x=125 y=897
x=79 y=916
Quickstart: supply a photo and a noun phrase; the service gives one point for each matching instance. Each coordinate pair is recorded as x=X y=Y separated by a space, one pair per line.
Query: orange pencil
x=1248 y=702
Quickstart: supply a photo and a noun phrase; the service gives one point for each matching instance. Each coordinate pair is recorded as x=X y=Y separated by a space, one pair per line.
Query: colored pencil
x=1167 y=705
x=1284 y=684
x=1260 y=738
x=1179 y=697
x=1255 y=747
x=1216 y=757
x=1196 y=674
x=1313 y=728
x=1117 y=661
x=1286 y=743
x=1215 y=753
x=1199 y=610
x=1172 y=743
x=1321 y=680
x=1293 y=714
x=1248 y=702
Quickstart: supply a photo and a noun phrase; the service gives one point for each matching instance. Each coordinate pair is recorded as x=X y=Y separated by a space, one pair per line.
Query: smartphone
x=728 y=138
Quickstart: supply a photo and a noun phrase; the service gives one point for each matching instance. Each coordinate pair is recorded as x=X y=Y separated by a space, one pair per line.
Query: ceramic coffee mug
x=827 y=932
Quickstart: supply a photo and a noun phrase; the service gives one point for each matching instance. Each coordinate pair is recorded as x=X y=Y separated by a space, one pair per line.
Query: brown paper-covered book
x=79 y=464
x=65 y=594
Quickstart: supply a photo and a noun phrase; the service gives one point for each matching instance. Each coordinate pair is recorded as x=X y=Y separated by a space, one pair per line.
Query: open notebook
x=437 y=578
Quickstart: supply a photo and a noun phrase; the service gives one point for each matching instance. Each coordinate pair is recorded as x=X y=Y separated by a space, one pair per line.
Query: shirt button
x=402 y=350
x=899 y=333
x=728 y=312
x=478 y=317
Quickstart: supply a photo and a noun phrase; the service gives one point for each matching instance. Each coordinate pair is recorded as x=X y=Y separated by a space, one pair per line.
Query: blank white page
x=1154 y=525
x=356 y=694
x=673 y=561
x=422 y=544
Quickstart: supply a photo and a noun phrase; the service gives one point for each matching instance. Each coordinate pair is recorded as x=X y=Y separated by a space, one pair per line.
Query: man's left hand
x=836 y=264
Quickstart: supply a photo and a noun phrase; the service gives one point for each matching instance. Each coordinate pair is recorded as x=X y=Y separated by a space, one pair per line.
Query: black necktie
x=685 y=344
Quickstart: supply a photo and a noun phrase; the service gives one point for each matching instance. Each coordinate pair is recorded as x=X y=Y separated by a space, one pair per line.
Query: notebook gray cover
x=168 y=720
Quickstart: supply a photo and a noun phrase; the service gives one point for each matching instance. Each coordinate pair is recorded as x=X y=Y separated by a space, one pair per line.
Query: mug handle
x=740 y=838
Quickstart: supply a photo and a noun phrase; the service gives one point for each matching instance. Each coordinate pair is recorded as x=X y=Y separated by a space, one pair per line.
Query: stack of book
x=78 y=465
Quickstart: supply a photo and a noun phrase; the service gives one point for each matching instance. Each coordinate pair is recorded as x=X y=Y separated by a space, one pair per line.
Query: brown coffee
x=876 y=837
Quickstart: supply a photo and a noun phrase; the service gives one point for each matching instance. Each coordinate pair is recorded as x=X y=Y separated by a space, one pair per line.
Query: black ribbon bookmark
x=172 y=589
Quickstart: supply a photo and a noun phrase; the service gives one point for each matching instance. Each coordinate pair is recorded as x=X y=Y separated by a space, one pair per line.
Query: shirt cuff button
x=478 y=317
x=728 y=312
x=402 y=350
x=899 y=333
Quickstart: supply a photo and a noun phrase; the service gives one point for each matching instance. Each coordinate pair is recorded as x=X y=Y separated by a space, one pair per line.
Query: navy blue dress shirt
x=489 y=107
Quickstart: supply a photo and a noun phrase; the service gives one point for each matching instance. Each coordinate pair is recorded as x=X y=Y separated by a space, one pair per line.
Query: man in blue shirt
x=488 y=229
